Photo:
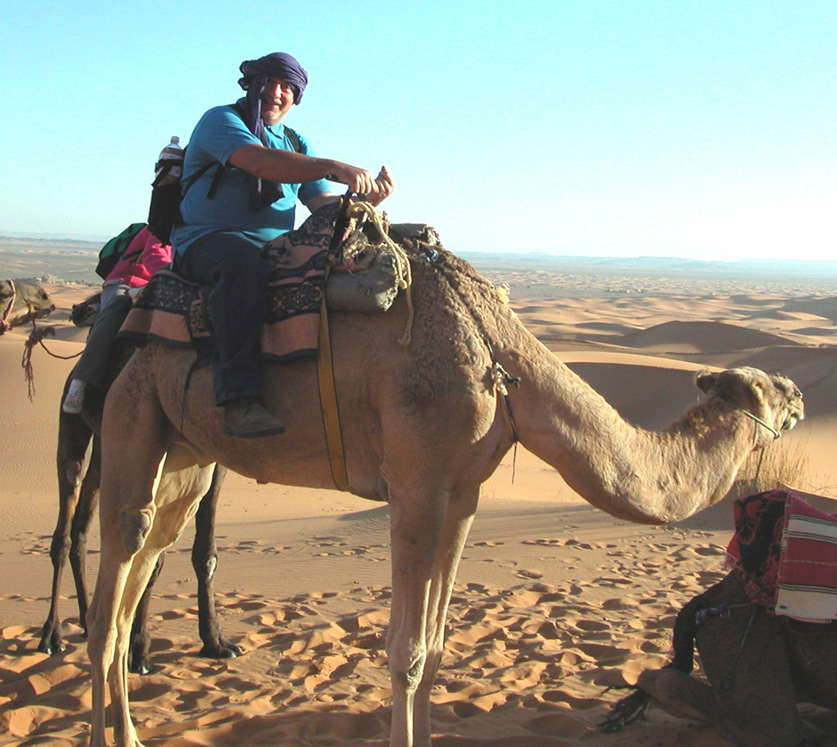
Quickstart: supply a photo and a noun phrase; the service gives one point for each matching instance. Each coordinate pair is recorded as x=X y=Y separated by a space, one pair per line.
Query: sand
x=555 y=601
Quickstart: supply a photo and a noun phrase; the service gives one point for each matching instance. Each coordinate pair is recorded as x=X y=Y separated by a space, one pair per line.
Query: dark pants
x=93 y=364
x=239 y=276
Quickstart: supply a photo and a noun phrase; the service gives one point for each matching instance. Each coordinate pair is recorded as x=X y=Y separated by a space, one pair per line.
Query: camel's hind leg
x=458 y=520
x=205 y=561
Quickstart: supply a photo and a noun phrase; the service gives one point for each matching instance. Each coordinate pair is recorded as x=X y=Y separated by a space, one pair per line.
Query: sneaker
x=74 y=401
x=247 y=417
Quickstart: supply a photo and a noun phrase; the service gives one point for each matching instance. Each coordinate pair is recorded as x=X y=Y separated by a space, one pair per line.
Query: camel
x=78 y=492
x=79 y=476
x=425 y=421
x=21 y=302
x=759 y=666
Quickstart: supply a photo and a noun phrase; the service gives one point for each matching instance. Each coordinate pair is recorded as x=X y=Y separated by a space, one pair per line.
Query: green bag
x=111 y=253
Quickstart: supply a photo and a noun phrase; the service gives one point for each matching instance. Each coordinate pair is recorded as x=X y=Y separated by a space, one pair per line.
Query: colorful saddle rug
x=173 y=310
x=787 y=550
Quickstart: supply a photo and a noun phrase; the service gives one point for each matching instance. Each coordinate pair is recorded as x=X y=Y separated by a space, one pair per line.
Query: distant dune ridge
x=555 y=601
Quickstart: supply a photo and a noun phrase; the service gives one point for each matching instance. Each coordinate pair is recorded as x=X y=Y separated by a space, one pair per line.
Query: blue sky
x=606 y=128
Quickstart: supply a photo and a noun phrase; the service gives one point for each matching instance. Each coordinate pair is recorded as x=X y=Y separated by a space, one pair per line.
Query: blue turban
x=254 y=77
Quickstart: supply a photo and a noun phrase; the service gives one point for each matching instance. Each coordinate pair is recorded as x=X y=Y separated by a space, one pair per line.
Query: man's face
x=277 y=100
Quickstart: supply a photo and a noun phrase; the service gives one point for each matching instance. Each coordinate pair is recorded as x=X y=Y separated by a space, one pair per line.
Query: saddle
x=362 y=273
x=787 y=550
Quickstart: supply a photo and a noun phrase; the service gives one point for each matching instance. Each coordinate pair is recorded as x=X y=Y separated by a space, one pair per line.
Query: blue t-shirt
x=219 y=134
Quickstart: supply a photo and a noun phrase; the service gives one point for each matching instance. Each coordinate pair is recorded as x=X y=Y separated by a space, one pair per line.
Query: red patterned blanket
x=787 y=549
x=173 y=310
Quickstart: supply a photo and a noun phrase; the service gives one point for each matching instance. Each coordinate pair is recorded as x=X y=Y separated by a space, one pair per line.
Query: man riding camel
x=243 y=174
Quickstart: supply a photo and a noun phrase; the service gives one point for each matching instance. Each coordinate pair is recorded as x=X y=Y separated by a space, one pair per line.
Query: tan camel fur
x=21 y=302
x=423 y=428
x=759 y=667
x=79 y=472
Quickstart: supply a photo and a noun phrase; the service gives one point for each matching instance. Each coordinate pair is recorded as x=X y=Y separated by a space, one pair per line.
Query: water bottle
x=169 y=166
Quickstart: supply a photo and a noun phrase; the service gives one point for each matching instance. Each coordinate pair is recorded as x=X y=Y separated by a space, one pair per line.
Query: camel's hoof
x=140 y=666
x=135 y=528
x=224 y=649
x=51 y=642
x=51 y=648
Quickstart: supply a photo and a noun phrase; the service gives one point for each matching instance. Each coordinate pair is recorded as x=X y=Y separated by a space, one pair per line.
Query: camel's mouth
x=792 y=420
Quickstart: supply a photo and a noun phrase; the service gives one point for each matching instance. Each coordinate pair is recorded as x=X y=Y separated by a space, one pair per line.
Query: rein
x=4 y=322
x=36 y=337
x=776 y=434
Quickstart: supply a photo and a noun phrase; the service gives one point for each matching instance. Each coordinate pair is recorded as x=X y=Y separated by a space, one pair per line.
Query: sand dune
x=700 y=337
x=555 y=601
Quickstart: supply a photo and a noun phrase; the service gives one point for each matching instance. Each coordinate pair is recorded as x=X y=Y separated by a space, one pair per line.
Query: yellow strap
x=328 y=405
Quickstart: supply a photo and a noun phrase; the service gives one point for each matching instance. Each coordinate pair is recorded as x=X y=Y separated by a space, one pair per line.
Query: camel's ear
x=705 y=380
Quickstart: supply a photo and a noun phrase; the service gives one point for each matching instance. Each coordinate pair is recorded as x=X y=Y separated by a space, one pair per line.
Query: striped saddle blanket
x=173 y=310
x=787 y=549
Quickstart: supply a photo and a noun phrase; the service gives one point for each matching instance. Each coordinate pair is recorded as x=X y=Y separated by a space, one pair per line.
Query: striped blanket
x=173 y=310
x=787 y=549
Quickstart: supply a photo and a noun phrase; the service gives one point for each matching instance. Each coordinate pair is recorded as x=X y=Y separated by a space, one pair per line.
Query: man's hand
x=361 y=182
x=384 y=187
x=358 y=180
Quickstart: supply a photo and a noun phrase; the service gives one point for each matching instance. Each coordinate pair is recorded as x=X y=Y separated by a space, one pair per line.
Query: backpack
x=111 y=253
x=164 y=210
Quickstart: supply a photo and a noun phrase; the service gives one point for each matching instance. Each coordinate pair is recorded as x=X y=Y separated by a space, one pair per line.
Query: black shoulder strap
x=292 y=136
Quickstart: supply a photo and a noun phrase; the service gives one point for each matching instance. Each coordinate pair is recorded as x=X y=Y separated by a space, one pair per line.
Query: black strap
x=293 y=138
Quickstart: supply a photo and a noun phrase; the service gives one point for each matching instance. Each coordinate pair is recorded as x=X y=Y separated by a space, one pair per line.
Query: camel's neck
x=628 y=472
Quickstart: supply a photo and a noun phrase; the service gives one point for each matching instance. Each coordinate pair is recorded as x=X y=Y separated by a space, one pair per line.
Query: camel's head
x=773 y=399
x=21 y=302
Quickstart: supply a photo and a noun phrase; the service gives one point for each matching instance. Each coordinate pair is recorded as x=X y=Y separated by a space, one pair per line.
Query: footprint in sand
x=529 y=574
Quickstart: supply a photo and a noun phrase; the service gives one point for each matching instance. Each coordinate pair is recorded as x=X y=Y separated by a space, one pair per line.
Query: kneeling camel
x=759 y=667
x=424 y=425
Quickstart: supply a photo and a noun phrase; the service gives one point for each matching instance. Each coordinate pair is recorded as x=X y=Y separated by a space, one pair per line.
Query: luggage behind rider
x=254 y=200
x=142 y=258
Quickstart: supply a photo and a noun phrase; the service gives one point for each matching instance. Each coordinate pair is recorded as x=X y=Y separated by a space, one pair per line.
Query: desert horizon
x=555 y=601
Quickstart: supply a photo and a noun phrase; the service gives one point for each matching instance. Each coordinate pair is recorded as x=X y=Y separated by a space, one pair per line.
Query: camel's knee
x=74 y=472
x=59 y=548
x=135 y=528
x=406 y=666
x=679 y=694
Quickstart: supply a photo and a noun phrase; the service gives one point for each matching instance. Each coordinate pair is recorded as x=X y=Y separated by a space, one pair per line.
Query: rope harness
x=350 y=219
x=500 y=378
x=357 y=242
x=723 y=611
x=775 y=433
x=5 y=325
x=36 y=337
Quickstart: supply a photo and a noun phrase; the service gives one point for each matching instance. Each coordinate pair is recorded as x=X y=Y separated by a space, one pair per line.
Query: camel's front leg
x=416 y=517
x=85 y=512
x=133 y=424
x=458 y=520
x=74 y=493
x=105 y=630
